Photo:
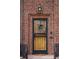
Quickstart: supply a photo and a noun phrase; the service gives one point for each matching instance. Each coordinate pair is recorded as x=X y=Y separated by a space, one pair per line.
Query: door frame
x=40 y=51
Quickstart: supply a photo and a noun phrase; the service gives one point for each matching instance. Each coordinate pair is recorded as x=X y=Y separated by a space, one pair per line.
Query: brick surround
x=29 y=11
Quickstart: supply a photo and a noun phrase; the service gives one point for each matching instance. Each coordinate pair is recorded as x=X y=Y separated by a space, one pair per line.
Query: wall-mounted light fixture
x=40 y=9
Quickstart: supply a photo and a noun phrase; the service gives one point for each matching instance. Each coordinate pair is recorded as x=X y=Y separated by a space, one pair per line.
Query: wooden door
x=40 y=35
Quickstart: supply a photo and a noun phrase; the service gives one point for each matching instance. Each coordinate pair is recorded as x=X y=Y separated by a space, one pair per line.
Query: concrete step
x=40 y=57
x=22 y=58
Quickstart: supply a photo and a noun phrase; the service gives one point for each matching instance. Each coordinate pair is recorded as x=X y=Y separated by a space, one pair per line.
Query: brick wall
x=50 y=10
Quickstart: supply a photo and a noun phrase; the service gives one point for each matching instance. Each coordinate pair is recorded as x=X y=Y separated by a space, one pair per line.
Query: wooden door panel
x=40 y=43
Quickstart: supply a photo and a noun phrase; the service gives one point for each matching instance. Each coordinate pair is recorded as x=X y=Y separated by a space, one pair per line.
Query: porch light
x=40 y=9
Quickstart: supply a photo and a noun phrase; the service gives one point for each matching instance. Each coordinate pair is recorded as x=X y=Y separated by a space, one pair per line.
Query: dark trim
x=40 y=51
x=32 y=34
x=46 y=33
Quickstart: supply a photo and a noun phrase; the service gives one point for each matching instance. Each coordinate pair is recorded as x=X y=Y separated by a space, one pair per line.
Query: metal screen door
x=39 y=35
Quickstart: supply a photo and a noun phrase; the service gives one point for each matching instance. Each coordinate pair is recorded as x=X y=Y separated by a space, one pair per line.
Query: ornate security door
x=40 y=35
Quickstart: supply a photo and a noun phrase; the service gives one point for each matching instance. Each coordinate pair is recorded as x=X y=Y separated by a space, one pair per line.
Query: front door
x=40 y=35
